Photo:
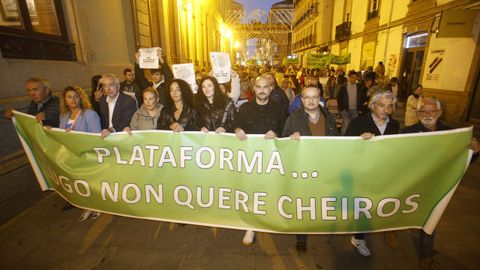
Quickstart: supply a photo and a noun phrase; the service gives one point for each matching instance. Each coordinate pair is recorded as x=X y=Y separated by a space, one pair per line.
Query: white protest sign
x=185 y=72
x=148 y=58
x=220 y=66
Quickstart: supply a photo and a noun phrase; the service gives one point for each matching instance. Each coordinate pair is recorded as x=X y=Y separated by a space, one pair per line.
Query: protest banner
x=148 y=58
x=317 y=60
x=314 y=185
x=186 y=72
x=221 y=66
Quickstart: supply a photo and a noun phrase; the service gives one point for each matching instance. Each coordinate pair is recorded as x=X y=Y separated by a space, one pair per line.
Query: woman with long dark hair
x=216 y=111
x=179 y=113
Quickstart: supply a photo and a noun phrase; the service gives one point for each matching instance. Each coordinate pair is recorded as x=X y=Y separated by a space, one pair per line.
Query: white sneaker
x=85 y=215
x=248 y=238
x=95 y=215
x=361 y=246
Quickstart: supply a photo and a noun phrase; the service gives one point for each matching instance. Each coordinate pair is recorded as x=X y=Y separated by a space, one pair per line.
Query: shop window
x=34 y=29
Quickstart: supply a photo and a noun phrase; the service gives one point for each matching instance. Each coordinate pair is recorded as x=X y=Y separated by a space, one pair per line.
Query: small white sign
x=221 y=66
x=185 y=72
x=148 y=58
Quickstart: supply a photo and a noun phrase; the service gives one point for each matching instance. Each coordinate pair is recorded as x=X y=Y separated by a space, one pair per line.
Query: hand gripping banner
x=316 y=185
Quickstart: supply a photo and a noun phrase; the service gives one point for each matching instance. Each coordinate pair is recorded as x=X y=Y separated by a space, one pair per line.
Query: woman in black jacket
x=179 y=113
x=216 y=111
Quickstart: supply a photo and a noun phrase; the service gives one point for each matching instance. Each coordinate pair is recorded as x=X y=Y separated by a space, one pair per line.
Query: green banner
x=341 y=60
x=315 y=60
x=290 y=61
x=315 y=185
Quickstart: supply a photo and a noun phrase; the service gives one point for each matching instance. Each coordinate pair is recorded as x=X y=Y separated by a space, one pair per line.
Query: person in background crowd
x=179 y=113
x=260 y=116
x=116 y=108
x=376 y=123
x=380 y=70
x=370 y=85
x=288 y=91
x=351 y=100
x=76 y=114
x=130 y=86
x=393 y=86
x=429 y=111
x=312 y=120
x=412 y=104
x=96 y=93
x=146 y=117
x=277 y=95
x=160 y=77
x=44 y=106
x=216 y=111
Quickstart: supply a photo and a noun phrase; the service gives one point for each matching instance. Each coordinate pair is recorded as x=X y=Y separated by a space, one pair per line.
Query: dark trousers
x=302 y=237
x=426 y=244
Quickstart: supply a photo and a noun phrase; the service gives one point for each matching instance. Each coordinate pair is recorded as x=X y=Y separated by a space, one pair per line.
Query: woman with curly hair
x=76 y=111
x=76 y=114
x=217 y=112
x=179 y=113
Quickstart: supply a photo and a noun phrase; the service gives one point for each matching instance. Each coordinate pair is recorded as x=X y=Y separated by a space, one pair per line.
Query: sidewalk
x=44 y=237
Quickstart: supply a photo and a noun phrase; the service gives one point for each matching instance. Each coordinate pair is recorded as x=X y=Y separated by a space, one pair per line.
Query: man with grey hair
x=428 y=112
x=44 y=106
x=376 y=123
x=116 y=108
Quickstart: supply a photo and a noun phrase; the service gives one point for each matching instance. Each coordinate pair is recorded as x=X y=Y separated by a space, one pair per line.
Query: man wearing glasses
x=311 y=120
x=428 y=112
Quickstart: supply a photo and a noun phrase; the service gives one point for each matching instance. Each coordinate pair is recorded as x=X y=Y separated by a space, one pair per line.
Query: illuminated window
x=419 y=40
x=34 y=29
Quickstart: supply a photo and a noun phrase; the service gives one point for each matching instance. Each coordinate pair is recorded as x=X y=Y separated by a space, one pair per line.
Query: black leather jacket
x=213 y=117
x=188 y=119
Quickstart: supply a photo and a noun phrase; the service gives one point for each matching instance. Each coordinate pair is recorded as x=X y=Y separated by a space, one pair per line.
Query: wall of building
x=104 y=44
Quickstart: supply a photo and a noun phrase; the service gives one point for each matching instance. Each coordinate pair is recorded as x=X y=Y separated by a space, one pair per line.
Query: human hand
x=220 y=130
x=104 y=133
x=270 y=135
x=176 y=127
x=40 y=116
x=295 y=136
x=240 y=134
x=367 y=135
x=474 y=145
x=8 y=113
x=128 y=130
x=160 y=55
x=204 y=130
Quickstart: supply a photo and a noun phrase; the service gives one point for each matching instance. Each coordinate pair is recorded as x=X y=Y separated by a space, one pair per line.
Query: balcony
x=342 y=31
x=310 y=12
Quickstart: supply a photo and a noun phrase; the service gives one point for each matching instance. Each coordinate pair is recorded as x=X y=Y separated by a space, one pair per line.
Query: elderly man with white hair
x=376 y=123
x=428 y=112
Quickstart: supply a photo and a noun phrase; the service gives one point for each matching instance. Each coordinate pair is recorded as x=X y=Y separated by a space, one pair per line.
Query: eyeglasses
x=432 y=112
x=310 y=98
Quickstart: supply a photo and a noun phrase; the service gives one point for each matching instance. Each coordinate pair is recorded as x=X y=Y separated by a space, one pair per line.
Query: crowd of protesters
x=279 y=101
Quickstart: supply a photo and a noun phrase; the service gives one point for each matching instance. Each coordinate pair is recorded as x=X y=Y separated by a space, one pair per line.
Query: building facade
x=434 y=43
x=68 y=41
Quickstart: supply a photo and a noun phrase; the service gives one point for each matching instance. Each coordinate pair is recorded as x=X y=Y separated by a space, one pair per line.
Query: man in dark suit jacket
x=347 y=93
x=376 y=123
x=116 y=108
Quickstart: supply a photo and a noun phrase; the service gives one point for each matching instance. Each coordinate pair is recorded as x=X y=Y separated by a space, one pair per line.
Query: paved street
x=44 y=237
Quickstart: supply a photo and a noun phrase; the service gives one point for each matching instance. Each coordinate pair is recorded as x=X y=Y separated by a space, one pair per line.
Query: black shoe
x=301 y=246
x=67 y=207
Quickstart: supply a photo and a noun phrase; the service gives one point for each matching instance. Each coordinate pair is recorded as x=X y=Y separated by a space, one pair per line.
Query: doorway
x=411 y=70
